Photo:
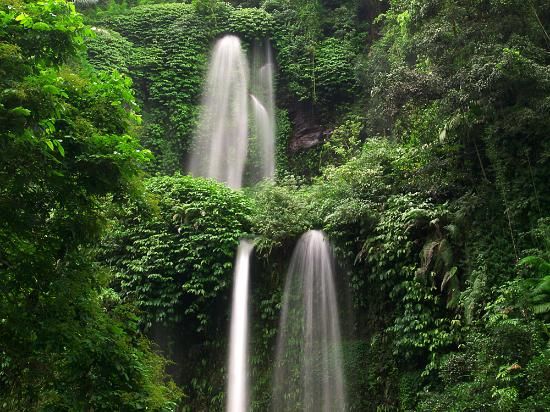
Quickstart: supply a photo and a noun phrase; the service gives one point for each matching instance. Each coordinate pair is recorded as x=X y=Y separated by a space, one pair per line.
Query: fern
x=437 y=257
x=538 y=264
x=539 y=297
x=542 y=309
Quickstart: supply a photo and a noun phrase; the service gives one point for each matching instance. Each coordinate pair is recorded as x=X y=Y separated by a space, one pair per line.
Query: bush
x=66 y=147
x=173 y=255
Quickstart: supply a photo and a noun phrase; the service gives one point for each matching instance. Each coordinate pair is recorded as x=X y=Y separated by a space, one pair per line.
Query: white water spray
x=308 y=368
x=263 y=103
x=265 y=133
x=221 y=141
x=237 y=386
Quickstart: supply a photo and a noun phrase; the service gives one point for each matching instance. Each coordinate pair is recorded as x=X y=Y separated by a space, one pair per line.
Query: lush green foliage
x=167 y=47
x=64 y=145
x=430 y=177
x=164 y=48
x=173 y=254
x=438 y=220
x=314 y=66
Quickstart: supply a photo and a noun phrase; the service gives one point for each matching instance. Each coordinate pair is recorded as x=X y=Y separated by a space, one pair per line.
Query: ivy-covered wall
x=164 y=48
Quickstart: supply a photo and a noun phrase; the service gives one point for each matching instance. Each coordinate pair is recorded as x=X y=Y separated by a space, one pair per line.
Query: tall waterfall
x=221 y=144
x=308 y=368
x=237 y=385
x=221 y=141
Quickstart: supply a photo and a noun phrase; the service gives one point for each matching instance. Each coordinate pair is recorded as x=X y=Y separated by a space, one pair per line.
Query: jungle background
x=414 y=133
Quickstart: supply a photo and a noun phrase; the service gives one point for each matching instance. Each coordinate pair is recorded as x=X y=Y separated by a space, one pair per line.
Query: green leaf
x=41 y=26
x=20 y=111
x=50 y=88
x=59 y=147
x=25 y=20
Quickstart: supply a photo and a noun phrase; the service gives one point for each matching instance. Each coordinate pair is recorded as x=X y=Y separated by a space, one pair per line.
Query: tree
x=65 y=145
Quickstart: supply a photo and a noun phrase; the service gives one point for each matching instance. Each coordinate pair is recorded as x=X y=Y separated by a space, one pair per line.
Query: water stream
x=237 y=385
x=308 y=370
x=263 y=104
x=221 y=146
x=308 y=367
x=221 y=141
x=266 y=139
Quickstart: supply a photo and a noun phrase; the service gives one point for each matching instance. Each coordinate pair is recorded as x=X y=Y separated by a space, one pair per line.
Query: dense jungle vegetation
x=429 y=171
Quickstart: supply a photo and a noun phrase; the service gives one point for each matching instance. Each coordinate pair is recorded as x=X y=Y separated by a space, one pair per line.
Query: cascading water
x=308 y=369
x=265 y=134
x=220 y=151
x=237 y=385
x=221 y=141
x=263 y=103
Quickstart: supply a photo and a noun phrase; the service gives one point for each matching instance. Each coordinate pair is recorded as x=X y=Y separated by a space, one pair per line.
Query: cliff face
x=307 y=131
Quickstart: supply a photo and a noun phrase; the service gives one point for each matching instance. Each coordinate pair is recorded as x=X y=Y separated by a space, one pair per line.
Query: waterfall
x=308 y=365
x=263 y=102
x=265 y=133
x=237 y=386
x=221 y=141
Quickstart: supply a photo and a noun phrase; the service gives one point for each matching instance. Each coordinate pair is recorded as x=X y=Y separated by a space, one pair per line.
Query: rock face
x=307 y=132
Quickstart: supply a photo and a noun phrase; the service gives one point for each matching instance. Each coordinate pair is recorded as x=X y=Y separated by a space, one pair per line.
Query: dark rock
x=307 y=131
